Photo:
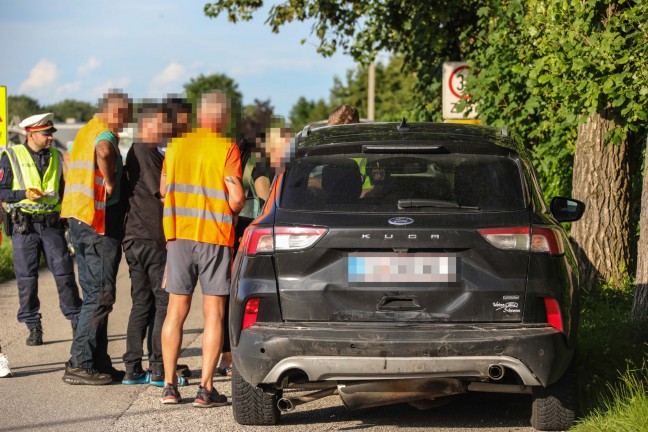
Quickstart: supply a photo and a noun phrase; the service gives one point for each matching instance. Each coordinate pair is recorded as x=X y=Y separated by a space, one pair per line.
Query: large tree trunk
x=602 y=180
x=640 y=304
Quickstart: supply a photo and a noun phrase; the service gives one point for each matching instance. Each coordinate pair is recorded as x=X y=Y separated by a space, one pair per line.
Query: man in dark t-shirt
x=145 y=246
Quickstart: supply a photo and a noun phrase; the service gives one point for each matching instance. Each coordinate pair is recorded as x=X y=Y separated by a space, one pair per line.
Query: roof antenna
x=403 y=126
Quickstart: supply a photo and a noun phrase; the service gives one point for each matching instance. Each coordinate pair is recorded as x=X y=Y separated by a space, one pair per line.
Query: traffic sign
x=454 y=85
x=3 y=116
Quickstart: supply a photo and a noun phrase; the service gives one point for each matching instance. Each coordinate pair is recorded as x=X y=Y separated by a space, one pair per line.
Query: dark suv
x=406 y=263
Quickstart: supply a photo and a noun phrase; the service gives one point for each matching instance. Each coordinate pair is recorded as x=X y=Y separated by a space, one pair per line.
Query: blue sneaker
x=182 y=381
x=141 y=377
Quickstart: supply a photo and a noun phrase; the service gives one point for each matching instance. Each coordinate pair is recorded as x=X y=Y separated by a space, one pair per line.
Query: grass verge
x=6 y=259
x=612 y=363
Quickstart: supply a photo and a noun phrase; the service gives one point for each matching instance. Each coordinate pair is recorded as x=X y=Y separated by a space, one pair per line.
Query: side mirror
x=566 y=209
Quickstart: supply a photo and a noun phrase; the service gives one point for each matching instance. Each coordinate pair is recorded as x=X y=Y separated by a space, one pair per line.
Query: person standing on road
x=201 y=181
x=31 y=185
x=96 y=208
x=144 y=244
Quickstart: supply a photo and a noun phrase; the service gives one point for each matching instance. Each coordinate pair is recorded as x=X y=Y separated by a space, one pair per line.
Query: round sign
x=401 y=221
x=456 y=82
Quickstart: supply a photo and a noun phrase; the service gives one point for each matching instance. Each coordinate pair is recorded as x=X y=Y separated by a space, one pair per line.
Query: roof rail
x=504 y=131
x=305 y=130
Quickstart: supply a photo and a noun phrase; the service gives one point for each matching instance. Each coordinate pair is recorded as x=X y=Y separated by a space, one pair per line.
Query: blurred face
x=118 y=113
x=279 y=145
x=152 y=129
x=40 y=141
x=213 y=116
x=182 y=123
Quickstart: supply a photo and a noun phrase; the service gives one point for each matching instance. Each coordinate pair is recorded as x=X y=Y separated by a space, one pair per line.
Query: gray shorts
x=189 y=261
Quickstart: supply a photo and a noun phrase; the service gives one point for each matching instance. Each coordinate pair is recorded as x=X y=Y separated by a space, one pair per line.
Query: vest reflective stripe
x=26 y=175
x=195 y=205
x=85 y=192
x=198 y=190
x=198 y=214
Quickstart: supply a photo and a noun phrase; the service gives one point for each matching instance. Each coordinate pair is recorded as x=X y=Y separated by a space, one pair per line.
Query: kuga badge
x=401 y=221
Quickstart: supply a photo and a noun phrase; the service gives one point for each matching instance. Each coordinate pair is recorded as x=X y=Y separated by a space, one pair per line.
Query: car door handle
x=399 y=303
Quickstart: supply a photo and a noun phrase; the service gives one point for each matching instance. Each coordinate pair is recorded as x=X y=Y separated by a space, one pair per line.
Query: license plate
x=402 y=268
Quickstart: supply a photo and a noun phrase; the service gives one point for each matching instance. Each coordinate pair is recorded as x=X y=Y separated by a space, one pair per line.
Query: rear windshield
x=417 y=183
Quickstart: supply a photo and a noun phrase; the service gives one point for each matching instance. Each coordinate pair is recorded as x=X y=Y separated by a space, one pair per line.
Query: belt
x=43 y=218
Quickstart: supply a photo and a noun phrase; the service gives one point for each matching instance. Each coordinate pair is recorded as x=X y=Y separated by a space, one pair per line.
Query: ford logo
x=401 y=221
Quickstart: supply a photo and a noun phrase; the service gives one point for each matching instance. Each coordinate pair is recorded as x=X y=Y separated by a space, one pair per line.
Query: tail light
x=533 y=239
x=251 y=312
x=264 y=240
x=554 y=317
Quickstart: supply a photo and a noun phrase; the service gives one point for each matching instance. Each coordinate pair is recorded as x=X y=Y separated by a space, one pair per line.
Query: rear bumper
x=266 y=353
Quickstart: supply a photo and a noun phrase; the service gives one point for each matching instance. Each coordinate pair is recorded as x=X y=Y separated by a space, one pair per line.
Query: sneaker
x=158 y=381
x=208 y=399
x=85 y=376
x=5 y=372
x=140 y=377
x=35 y=336
x=116 y=374
x=170 y=394
x=157 y=375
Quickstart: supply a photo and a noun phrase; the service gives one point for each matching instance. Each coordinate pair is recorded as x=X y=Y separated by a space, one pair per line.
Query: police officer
x=31 y=185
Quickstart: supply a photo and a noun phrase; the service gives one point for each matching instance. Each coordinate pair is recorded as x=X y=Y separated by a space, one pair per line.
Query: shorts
x=190 y=261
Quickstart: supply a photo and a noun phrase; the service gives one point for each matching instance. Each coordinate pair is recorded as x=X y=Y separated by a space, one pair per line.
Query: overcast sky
x=53 y=50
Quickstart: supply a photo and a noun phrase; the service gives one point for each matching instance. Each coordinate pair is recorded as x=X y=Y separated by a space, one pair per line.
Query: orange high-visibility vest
x=85 y=190
x=195 y=204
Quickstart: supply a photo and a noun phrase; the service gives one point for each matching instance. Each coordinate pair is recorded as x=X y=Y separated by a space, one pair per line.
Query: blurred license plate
x=417 y=268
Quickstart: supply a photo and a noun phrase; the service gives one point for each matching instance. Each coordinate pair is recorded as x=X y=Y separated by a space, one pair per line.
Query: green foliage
x=607 y=343
x=6 y=259
x=624 y=406
x=308 y=111
x=69 y=108
x=256 y=119
x=22 y=106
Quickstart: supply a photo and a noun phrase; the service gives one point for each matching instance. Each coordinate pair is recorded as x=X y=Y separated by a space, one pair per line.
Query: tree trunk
x=640 y=304
x=602 y=181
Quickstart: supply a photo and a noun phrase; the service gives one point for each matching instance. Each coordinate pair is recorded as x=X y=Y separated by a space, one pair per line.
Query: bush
x=6 y=259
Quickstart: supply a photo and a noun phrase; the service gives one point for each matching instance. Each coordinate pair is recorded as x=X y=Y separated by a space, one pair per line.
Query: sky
x=73 y=49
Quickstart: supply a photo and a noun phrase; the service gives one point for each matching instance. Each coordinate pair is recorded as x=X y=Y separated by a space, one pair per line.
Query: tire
x=252 y=405
x=554 y=407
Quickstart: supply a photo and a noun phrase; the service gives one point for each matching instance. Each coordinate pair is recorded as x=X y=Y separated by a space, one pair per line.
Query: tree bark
x=601 y=180
x=640 y=304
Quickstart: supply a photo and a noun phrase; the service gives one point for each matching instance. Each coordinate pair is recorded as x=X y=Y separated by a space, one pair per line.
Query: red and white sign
x=454 y=86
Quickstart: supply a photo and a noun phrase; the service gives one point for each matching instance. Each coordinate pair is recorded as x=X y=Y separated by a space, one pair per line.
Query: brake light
x=251 y=312
x=257 y=240
x=534 y=239
x=554 y=317
x=296 y=238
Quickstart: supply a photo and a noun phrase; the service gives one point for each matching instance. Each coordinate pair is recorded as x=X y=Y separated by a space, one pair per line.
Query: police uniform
x=37 y=174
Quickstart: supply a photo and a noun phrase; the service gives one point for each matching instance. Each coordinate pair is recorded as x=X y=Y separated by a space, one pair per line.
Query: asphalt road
x=36 y=399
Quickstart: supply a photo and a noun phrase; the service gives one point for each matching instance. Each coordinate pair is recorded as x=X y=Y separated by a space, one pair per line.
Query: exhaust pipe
x=495 y=372
x=288 y=404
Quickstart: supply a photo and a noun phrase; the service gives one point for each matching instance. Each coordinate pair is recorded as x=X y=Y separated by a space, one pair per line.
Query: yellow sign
x=4 y=120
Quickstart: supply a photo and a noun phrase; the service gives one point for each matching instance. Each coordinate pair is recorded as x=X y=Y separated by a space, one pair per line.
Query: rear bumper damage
x=270 y=354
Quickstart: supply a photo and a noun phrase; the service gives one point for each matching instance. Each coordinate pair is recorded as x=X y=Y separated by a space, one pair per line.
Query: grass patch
x=612 y=363
x=6 y=259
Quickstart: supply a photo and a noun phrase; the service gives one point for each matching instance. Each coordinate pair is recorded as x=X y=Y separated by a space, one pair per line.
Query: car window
x=389 y=182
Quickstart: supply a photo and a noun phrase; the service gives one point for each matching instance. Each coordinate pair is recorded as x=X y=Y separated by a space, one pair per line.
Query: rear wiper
x=410 y=203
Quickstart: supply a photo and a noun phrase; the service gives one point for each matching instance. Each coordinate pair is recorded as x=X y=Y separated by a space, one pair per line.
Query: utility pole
x=371 y=93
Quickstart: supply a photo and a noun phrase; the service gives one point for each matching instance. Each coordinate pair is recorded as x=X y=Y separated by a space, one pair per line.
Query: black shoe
x=115 y=374
x=170 y=394
x=208 y=399
x=35 y=336
x=139 y=377
x=85 y=376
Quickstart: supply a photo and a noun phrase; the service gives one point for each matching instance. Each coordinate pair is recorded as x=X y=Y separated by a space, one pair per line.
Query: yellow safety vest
x=85 y=190
x=195 y=205
x=26 y=175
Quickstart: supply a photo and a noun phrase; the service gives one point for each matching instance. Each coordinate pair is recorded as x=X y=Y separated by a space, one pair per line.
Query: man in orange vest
x=95 y=206
x=203 y=190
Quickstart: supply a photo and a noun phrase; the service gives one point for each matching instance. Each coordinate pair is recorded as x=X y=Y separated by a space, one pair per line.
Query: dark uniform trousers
x=27 y=250
x=98 y=258
x=146 y=266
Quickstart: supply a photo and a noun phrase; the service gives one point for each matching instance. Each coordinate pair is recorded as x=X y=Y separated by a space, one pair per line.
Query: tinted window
x=380 y=182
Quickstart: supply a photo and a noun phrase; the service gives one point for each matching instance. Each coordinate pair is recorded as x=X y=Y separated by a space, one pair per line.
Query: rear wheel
x=252 y=405
x=554 y=407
